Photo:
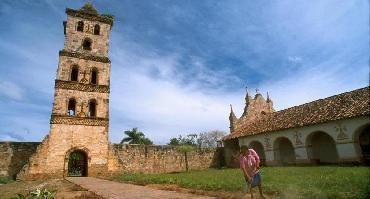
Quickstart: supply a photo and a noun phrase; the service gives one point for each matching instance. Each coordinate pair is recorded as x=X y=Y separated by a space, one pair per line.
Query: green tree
x=146 y=141
x=209 y=139
x=185 y=149
x=174 y=142
x=134 y=136
x=189 y=139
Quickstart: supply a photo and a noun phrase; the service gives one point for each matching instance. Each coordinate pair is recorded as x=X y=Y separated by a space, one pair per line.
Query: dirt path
x=116 y=190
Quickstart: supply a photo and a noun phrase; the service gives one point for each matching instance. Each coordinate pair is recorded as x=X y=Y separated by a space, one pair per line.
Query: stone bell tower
x=77 y=144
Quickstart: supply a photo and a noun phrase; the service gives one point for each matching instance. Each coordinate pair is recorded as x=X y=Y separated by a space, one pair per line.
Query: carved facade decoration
x=82 y=113
x=297 y=137
x=81 y=87
x=341 y=130
x=84 y=80
x=70 y=120
x=267 y=143
x=84 y=56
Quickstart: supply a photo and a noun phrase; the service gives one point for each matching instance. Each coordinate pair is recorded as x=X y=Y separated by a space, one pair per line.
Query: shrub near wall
x=163 y=158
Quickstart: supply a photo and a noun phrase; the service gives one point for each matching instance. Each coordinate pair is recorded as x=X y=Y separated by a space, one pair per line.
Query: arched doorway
x=231 y=153
x=364 y=142
x=77 y=164
x=284 y=151
x=322 y=147
x=258 y=147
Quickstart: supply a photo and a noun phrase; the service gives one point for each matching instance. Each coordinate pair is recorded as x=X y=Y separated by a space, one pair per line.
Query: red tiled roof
x=345 y=105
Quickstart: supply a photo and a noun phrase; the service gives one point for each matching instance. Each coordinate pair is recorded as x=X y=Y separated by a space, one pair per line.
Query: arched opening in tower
x=74 y=73
x=80 y=26
x=94 y=76
x=92 y=108
x=96 y=29
x=86 y=44
x=71 y=107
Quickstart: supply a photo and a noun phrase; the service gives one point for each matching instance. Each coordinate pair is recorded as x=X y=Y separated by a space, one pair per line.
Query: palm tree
x=134 y=136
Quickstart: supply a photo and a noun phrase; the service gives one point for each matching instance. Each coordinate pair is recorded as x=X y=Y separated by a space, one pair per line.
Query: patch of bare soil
x=63 y=188
x=216 y=194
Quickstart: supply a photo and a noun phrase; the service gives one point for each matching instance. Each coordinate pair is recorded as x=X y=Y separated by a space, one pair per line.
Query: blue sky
x=177 y=65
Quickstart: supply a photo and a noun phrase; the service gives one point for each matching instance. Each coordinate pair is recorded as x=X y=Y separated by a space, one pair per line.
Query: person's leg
x=246 y=190
x=260 y=189
x=260 y=185
x=250 y=189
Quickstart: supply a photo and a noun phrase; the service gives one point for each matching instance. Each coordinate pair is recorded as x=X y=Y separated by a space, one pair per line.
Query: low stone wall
x=164 y=159
x=124 y=158
x=14 y=155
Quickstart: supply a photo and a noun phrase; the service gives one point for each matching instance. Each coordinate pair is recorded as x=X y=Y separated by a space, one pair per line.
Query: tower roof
x=90 y=13
x=268 y=98
x=89 y=9
x=232 y=114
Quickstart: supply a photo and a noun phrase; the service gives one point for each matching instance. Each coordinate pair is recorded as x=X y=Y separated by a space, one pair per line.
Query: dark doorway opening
x=77 y=164
x=323 y=148
x=364 y=141
x=284 y=151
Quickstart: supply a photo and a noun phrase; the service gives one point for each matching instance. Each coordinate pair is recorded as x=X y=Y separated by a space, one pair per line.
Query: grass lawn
x=307 y=182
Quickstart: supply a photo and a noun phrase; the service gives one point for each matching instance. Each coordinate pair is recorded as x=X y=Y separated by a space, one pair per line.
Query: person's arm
x=254 y=162
x=246 y=174
x=242 y=165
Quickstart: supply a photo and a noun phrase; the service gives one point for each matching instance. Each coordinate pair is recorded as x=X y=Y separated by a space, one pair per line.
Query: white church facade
x=334 y=130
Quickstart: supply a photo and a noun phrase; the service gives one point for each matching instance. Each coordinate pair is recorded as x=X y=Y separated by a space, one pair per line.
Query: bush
x=37 y=194
x=4 y=180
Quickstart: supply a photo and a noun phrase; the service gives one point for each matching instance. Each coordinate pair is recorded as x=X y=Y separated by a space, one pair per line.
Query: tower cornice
x=108 y=19
x=86 y=121
x=84 y=56
x=61 y=84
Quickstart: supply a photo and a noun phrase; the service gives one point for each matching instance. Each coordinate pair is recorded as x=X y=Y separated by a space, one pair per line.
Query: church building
x=334 y=130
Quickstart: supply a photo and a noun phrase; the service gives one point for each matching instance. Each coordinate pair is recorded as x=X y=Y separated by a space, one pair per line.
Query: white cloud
x=315 y=82
x=295 y=59
x=161 y=105
x=11 y=137
x=10 y=90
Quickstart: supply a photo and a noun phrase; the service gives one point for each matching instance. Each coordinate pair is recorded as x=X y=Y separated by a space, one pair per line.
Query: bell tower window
x=86 y=44
x=94 y=76
x=97 y=29
x=71 y=107
x=92 y=108
x=74 y=73
x=80 y=26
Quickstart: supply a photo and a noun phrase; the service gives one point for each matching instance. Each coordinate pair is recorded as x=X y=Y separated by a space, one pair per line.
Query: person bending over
x=248 y=164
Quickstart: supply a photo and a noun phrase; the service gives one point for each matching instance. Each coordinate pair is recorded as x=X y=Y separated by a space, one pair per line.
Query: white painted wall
x=344 y=133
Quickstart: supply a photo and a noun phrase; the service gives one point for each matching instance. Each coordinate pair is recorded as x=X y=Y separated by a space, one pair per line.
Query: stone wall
x=163 y=159
x=14 y=155
x=121 y=159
